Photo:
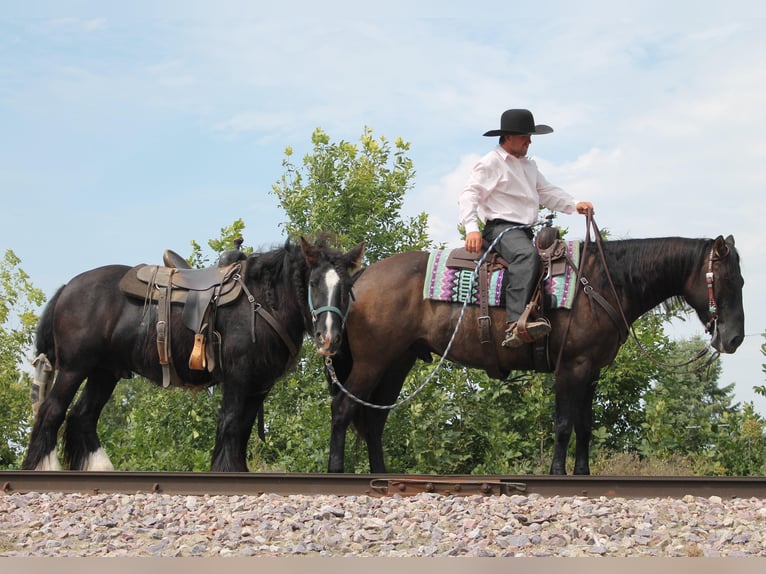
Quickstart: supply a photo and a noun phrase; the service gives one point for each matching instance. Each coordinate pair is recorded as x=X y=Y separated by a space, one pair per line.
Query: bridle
x=712 y=325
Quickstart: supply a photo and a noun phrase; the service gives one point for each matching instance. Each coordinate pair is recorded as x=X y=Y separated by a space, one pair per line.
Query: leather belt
x=502 y=222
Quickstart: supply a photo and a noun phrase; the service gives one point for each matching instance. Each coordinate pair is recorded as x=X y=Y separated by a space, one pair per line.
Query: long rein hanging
x=328 y=361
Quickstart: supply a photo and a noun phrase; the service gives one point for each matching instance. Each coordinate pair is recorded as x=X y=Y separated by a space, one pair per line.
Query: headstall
x=712 y=304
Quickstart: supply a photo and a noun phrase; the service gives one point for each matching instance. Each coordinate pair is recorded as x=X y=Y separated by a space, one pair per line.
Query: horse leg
x=41 y=452
x=562 y=432
x=385 y=393
x=369 y=421
x=82 y=447
x=374 y=439
x=343 y=409
x=583 y=427
x=253 y=410
x=235 y=425
x=342 y=367
x=574 y=397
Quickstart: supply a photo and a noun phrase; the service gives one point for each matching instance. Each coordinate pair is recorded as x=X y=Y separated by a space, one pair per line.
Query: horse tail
x=44 y=341
x=45 y=361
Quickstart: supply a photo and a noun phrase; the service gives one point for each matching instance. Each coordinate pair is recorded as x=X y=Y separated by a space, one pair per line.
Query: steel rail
x=209 y=483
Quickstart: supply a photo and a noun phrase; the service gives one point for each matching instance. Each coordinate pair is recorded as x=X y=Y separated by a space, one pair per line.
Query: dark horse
x=390 y=326
x=92 y=330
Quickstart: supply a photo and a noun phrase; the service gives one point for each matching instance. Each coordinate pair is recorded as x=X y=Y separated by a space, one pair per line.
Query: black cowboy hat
x=519 y=122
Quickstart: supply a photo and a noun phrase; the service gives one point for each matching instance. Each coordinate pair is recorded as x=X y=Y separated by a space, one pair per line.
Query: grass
x=631 y=464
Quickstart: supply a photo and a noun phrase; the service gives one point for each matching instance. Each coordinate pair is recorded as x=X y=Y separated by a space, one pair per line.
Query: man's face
x=517 y=145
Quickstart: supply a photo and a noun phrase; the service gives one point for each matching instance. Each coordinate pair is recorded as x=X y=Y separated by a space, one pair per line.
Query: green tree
x=355 y=191
x=685 y=408
x=736 y=445
x=761 y=389
x=19 y=300
x=619 y=412
x=467 y=423
x=147 y=428
x=224 y=242
x=297 y=415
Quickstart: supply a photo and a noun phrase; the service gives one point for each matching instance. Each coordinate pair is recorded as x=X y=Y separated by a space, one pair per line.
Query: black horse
x=390 y=325
x=91 y=329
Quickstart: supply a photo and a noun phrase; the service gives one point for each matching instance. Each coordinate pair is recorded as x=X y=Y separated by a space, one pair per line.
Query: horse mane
x=283 y=269
x=275 y=272
x=647 y=269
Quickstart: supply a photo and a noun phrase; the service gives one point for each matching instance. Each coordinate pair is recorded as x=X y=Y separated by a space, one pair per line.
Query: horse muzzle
x=726 y=341
x=327 y=344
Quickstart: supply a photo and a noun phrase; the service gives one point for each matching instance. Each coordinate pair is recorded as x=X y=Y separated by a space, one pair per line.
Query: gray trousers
x=517 y=248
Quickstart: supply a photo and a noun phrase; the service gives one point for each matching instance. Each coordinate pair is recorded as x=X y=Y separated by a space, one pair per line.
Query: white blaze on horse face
x=324 y=329
x=50 y=462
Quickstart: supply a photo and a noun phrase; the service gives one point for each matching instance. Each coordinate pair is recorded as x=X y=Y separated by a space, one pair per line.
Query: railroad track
x=201 y=483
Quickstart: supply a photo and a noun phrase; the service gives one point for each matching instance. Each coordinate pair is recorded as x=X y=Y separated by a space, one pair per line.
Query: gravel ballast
x=425 y=525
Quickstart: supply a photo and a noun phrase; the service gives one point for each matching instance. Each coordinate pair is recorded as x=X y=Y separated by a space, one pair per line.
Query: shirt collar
x=505 y=155
x=501 y=152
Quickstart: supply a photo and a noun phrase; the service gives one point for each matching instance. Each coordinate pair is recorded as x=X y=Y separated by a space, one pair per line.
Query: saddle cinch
x=200 y=291
x=554 y=258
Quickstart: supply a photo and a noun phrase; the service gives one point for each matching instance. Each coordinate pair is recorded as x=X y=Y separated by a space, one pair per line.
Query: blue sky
x=116 y=114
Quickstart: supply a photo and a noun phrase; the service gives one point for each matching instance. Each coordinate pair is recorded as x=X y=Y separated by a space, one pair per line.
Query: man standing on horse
x=506 y=189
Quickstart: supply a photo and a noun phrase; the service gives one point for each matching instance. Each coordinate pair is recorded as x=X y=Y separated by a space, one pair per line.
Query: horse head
x=329 y=291
x=722 y=313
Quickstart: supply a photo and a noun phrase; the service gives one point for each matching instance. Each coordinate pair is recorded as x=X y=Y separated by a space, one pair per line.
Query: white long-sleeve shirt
x=502 y=186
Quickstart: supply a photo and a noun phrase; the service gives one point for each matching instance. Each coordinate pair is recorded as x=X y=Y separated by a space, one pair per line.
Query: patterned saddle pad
x=443 y=283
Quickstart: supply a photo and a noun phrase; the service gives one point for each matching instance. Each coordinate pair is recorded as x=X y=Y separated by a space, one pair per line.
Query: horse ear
x=354 y=257
x=310 y=252
x=721 y=246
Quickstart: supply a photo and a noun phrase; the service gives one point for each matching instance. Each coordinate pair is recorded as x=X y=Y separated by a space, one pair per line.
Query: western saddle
x=200 y=291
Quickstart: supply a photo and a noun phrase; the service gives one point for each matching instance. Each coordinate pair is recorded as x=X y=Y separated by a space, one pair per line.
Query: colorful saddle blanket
x=456 y=285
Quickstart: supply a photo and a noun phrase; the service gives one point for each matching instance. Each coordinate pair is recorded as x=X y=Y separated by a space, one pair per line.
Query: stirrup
x=535 y=330
x=512 y=339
